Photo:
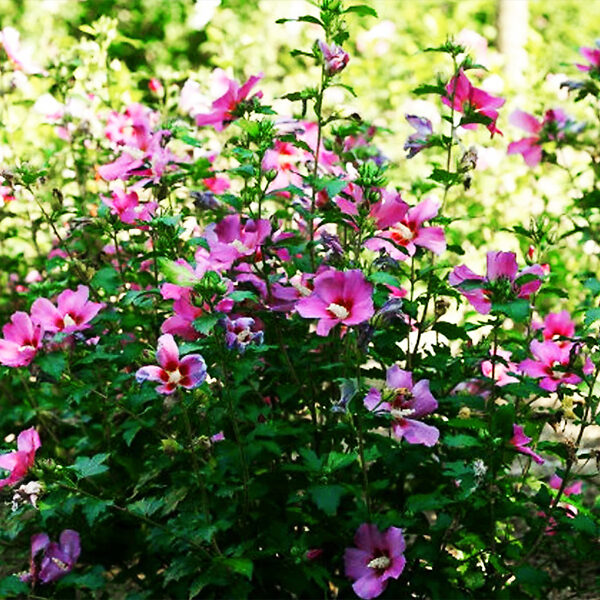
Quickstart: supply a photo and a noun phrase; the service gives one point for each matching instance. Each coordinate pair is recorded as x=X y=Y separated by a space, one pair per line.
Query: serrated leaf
x=206 y=323
x=327 y=497
x=106 y=279
x=93 y=508
x=88 y=467
x=362 y=10
x=53 y=364
x=242 y=566
x=146 y=506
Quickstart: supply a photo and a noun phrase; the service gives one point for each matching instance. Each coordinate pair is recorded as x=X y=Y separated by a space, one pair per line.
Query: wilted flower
x=189 y=372
x=335 y=58
x=27 y=493
x=377 y=558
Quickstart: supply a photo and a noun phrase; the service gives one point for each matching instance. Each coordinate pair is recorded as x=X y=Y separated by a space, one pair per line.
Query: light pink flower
x=22 y=339
x=551 y=365
x=520 y=441
x=189 y=372
x=377 y=558
x=502 y=370
x=401 y=225
x=9 y=38
x=338 y=297
x=463 y=96
x=19 y=462
x=224 y=107
x=501 y=283
x=407 y=405
x=73 y=311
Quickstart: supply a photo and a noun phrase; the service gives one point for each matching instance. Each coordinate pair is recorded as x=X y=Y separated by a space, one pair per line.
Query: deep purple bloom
x=420 y=139
x=55 y=560
x=241 y=332
x=377 y=558
x=407 y=404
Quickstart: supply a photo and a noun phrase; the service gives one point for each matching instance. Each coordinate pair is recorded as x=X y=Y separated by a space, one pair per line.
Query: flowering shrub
x=329 y=417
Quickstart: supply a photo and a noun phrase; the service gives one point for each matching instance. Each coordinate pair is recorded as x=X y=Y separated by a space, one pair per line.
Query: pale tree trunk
x=513 y=22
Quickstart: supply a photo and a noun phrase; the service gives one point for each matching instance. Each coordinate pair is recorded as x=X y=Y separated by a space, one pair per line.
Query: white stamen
x=26 y=347
x=243 y=335
x=401 y=413
x=304 y=291
x=68 y=320
x=175 y=377
x=403 y=231
x=59 y=563
x=340 y=312
x=381 y=562
x=239 y=246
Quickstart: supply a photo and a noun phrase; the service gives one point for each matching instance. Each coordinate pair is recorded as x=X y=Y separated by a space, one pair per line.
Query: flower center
x=240 y=247
x=402 y=233
x=380 y=563
x=26 y=347
x=175 y=377
x=59 y=563
x=339 y=311
x=401 y=413
x=243 y=335
x=68 y=320
x=302 y=289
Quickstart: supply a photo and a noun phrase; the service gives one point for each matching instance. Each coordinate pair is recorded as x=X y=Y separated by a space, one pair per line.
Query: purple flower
x=56 y=559
x=377 y=558
x=419 y=140
x=241 y=332
x=407 y=404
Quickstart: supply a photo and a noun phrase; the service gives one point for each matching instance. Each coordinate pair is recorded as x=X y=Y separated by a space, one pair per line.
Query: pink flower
x=551 y=364
x=9 y=38
x=520 y=441
x=548 y=129
x=574 y=489
x=377 y=558
x=224 y=108
x=19 y=462
x=501 y=283
x=128 y=208
x=22 y=340
x=403 y=226
x=559 y=325
x=407 y=404
x=189 y=372
x=464 y=97
x=156 y=86
x=338 y=297
x=73 y=313
x=334 y=57
x=592 y=55
x=501 y=370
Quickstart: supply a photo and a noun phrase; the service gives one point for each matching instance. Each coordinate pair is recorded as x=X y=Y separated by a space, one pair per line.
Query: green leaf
x=53 y=364
x=106 y=279
x=327 y=497
x=591 y=316
x=362 y=10
x=451 y=331
x=420 y=502
x=146 y=506
x=240 y=295
x=206 y=323
x=461 y=440
x=12 y=587
x=339 y=460
x=517 y=310
x=88 y=467
x=242 y=566
x=93 y=508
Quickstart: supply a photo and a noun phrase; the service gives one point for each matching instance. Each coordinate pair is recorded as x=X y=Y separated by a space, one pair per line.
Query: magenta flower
x=501 y=283
x=189 y=372
x=552 y=363
x=464 y=97
x=73 y=311
x=520 y=441
x=420 y=139
x=407 y=404
x=377 y=558
x=338 y=297
x=241 y=332
x=22 y=339
x=56 y=560
x=501 y=371
x=559 y=325
x=592 y=55
x=224 y=108
x=548 y=129
x=403 y=226
x=19 y=462
x=128 y=208
x=334 y=57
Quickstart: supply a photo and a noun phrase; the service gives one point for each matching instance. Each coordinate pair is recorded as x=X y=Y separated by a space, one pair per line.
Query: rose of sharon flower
x=22 y=339
x=551 y=364
x=56 y=560
x=463 y=96
x=520 y=441
x=501 y=370
x=407 y=405
x=73 y=311
x=335 y=58
x=500 y=284
x=420 y=139
x=19 y=462
x=377 y=558
x=338 y=297
x=189 y=372
x=592 y=55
